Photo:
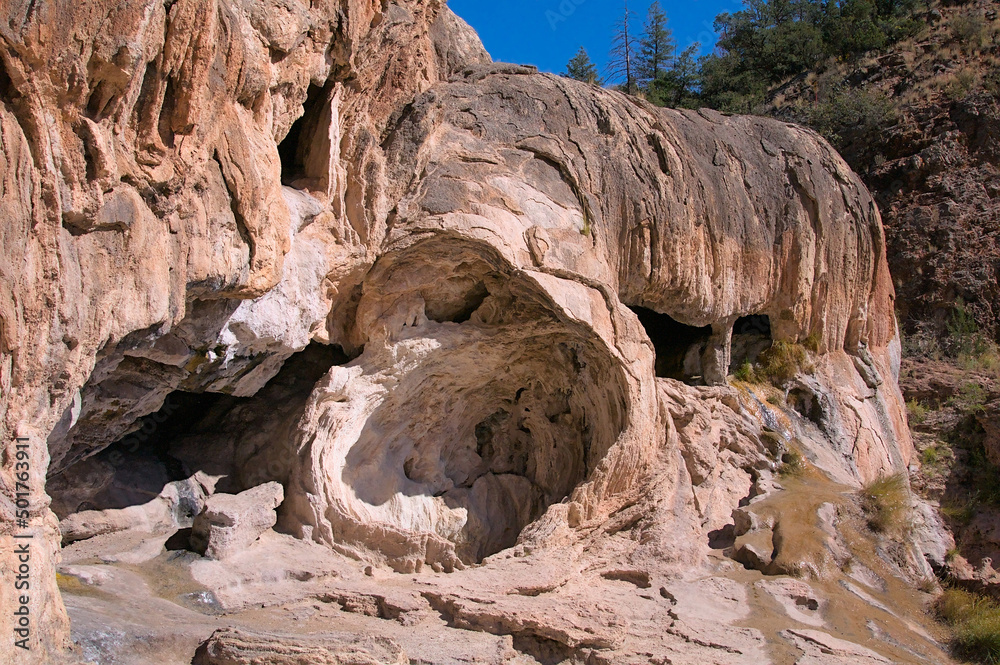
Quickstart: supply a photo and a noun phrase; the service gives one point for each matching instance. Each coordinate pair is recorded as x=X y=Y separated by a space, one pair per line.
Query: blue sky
x=547 y=33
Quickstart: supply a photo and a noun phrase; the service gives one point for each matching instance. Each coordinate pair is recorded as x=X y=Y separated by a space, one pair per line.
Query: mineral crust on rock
x=229 y=647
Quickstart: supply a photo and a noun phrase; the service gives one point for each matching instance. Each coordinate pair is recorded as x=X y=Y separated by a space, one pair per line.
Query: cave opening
x=486 y=436
x=7 y=91
x=243 y=440
x=305 y=150
x=134 y=469
x=501 y=410
x=457 y=310
x=751 y=337
x=678 y=346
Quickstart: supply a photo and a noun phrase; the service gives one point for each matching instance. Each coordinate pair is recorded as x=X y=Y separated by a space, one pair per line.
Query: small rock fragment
x=231 y=523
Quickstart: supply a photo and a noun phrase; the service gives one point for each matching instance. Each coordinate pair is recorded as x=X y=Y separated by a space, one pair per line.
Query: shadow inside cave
x=678 y=346
x=501 y=425
x=247 y=440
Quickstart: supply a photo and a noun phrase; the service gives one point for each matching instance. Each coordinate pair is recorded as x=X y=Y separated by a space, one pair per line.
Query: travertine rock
x=823 y=649
x=143 y=202
x=537 y=224
x=932 y=537
x=232 y=522
x=177 y=506
x=233 y=647
x=800 y=601
x=195 y=192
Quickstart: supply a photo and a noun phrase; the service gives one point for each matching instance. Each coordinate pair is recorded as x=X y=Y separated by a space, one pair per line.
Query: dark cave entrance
x=751 y=337
x=7 y=91
x=678 y=346
x=305 y=150
x=244 y=439
x=133 y=470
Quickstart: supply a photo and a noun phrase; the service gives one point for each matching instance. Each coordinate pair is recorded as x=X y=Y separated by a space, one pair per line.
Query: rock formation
x=176 y=506
x=230 y=523
x=232 y=647
x=533 y=285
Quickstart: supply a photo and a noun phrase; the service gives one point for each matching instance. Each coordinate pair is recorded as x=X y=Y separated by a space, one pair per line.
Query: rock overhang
x=705 y=217
x=479 y=400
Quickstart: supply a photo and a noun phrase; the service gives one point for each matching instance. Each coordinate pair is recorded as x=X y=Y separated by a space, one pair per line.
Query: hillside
x=921 y=125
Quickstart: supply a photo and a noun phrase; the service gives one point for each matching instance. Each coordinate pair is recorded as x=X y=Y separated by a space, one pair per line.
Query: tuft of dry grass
x=971 y=30
x=962 y=84
x=885 y=503
x=780 y=363
x=975 y=621
x=987 y=361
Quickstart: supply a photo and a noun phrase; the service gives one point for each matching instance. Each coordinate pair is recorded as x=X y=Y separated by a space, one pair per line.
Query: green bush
x=745 y=373
x=975 y=621
x=776 y=365
x=973 y=349
x=955 y=606
x=918 y=412
x=964 y=335
x=971 y=398
x=885 y=503
x=847 y=115
x=769 y=41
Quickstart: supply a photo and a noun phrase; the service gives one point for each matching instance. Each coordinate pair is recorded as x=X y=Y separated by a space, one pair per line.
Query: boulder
x=232 y=522
x=239 y=647
x=175 y=507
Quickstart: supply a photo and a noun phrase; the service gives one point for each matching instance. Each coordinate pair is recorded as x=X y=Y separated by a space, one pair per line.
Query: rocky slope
x=468 y=327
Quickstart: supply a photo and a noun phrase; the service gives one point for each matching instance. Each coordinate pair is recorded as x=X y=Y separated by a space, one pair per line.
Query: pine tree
x=683 y=76
x=624 y=49
x=656 y=47
x=678 y=86
x=582 y=68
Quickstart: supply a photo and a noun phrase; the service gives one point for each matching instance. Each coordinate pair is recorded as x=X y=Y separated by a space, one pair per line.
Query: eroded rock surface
x=231 y=522
x=535 y=285
x=178 y=505
x=229 y=647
